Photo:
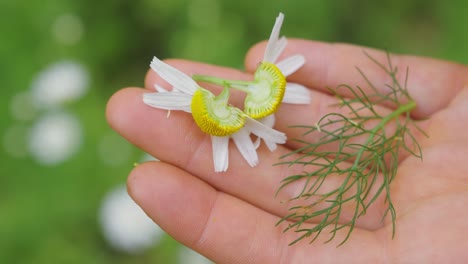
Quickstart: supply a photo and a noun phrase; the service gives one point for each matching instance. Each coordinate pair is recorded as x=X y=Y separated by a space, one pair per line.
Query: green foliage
x=50 y=212
x=358 y=165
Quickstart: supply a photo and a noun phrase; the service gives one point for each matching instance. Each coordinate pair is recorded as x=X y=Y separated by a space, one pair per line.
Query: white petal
x=245 y=146
x=160 y=89
x=291 y=64
x=220 y=147
x=268 y=121
x=266 y=133
x=296 y=94
x=169 y=101
x=277 y=49
x=176 y=78
x=270 y=145
x=271 y=51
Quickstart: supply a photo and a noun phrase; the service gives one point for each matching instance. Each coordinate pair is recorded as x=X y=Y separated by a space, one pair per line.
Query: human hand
x=230 y=217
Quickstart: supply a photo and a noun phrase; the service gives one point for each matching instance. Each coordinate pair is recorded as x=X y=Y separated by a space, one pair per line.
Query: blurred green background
x=60 y=60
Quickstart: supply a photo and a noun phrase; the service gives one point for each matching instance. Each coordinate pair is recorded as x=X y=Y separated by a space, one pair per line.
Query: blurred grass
x=48 y=214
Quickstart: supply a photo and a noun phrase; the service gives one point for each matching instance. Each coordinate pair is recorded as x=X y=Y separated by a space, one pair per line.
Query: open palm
x=230 y=217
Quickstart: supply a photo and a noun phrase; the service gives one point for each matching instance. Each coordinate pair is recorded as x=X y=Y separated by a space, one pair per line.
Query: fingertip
x=117 y=106
x=177 y=201
x=139 y=185
x=135 y=179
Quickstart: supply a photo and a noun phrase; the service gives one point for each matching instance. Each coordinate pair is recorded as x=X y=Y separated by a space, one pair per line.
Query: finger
x=229 y=230
x=431 y=83
x=177 y=140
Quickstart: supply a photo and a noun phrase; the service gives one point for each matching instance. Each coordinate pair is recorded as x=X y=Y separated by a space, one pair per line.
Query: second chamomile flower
x=212 y=114
x=269 y=88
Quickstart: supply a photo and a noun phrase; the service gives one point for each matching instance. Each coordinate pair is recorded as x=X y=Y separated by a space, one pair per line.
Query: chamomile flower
x=269 y=88
x=212 y=114
x=270 y=77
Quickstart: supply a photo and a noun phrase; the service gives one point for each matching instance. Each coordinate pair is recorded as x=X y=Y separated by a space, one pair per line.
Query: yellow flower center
x=267 y=92
x=214 y=116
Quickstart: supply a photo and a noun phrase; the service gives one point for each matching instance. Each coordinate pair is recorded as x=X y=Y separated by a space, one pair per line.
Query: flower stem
x=223 y=97
x=239 y=85
x=406 y=108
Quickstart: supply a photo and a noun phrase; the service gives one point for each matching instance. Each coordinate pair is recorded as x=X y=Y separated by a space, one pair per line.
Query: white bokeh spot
x=124 y=224
x=54 y=138
x=60 y=83
x=189 y=256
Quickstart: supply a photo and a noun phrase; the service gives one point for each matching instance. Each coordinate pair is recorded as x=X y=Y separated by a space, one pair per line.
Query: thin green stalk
x=236 y=84
x=360 y=164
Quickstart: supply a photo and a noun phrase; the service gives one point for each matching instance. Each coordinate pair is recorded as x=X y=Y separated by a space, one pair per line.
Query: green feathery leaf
x=359 y=165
